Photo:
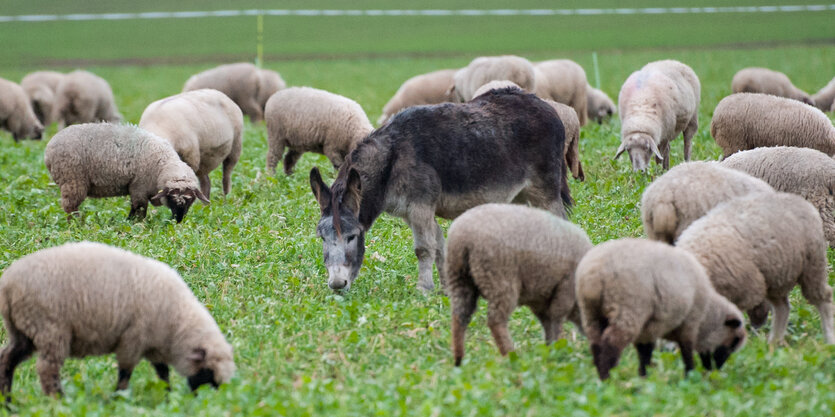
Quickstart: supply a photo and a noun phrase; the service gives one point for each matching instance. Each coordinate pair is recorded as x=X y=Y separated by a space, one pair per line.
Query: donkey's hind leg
x=425 y=229
x=545 y=195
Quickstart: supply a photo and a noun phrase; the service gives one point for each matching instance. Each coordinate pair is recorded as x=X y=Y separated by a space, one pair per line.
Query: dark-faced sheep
x=41 y=87
x=247 y=85
x=766 y=81
x=600 y=106
x=84 y=299
x=512 y=255
x=634 y=291
x=432 y=88
x=16 y=115
x=84 y=97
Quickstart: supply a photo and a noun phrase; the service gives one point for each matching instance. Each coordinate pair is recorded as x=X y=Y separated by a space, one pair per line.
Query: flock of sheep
x=724 y=237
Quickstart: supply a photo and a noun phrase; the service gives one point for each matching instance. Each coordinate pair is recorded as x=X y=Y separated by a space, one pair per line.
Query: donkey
x=440 y=160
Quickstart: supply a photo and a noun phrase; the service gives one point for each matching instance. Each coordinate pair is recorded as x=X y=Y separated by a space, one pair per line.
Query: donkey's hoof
x=427 y=289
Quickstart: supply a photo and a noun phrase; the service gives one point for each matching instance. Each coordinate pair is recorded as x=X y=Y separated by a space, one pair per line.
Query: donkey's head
x=343 y=237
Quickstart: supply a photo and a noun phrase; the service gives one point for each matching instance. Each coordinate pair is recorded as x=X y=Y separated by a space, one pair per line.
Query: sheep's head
x=25 y=125
x=179 y=200
x=343 y=237
x=641 y=148
x=721 y=333
x=210 y=363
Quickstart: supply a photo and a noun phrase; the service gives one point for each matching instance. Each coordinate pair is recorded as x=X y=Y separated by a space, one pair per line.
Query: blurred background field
x=383 y=349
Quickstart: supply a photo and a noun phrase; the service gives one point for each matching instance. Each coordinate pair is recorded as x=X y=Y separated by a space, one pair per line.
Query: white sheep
x=825 y=98
x=766 y=81
x=41 y=87
x=107 y=160
x=16 y=114
x=748 y=120
x=512 y=255
x=637 y=291
x=83 y=299
x=204 y=126
x=83 y=97
x=247 y=85
x=757 y=248
x=687 y=192
x=432 y=88
x=802 y=171
x=482 y=70
x=304 y=119
x=600 y=106
x=657 y=103
x=563 y=81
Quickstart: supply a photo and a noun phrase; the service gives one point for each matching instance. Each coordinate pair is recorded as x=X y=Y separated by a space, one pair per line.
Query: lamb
x=41 y=87
x=749 y=120
x=825 y=98
x=636 y=291
x=766 y=81
x=485 y=69
x=756 y=248
x=656 y=103
x=83 y=299
x=599 y=106
x=204 y=126
x=510 y=255
x=304 y=119
x=16 y=115
x=802 y=171
x=247 y=85
x=569 y=120
x=687 y=192
x=83 y=97
x=563 y=81
x=432 y=88
x=107 y=160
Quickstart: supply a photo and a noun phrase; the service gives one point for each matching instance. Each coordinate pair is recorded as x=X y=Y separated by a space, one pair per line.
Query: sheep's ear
x=200 y=196
x=733 y=322
x=620 y=150
x=654 y=148
x=353 y=187
x=157 y=199
x=320 y=189
x=197 y=355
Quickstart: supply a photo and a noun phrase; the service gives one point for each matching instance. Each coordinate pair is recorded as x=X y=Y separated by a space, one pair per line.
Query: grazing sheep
x=766 y=81
x=16 y=115
x=687 y=192
x=41 y=87
x=432 y=88
x=107 y=160
x=600 y=106
x=485 y=69
x=636 y=291
x=756 y=248
x=511 y=255
x=802 y=171
x=563 y=81
x=657 y=103
x=83 y=299
x=247 y=85
x=825 y=98
x=204 y=126
x=83 y=97
x=495 y=85
x=749 y=120
x=305 y=119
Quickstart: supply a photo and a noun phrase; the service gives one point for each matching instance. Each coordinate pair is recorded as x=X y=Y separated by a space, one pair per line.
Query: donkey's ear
x=320 y=190
x=353 y=188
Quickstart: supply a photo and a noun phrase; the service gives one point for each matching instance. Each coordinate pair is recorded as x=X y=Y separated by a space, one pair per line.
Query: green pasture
x=383 y=348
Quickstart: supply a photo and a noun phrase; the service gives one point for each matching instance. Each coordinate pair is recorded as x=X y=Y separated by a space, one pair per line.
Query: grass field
x=383 y=349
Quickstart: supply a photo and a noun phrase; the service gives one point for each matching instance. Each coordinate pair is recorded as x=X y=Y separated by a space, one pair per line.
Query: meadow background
x=383 y=348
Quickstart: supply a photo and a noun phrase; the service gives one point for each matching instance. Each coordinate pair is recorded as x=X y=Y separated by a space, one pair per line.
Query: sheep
x=482 y=70
x=802 y=171
x=756 y=248
x=563 y=81
x=432 y=88
x=657 y=103
x=569 y=120
x=599 y=106
x=247 y=85
x=636 y=291
x=304 y=119
x=107 y=160
x=766 y=81
x=204 y=126
x=510 y=255
x=41 y=87
x=86 y=298
x=16 y=115
x=825 y=98
x=83 y=97
x=749 y=120
x=687 y=192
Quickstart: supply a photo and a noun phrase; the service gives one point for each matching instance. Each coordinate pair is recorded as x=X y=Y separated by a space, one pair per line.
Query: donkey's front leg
x=424 y=230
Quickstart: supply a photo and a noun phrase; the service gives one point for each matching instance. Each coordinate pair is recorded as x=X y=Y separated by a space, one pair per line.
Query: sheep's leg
x=686 y=348
x=759 y=314
x=163 y=372
x=689 y=132
x=228 y=164
x=421 y=220
x=497 y=317
x=18 y=350
x=551 y=327
x=706 y=360
x=72 y=194
x=781 y=319
x=665 y=152
x=290 y=159
x=251 y=108
x=275 y=149
x=644 y=356
x=826 y=311
x=814 y=287
x=138 y=207
x=562 y=304
x=464 y=302
x=439 y=255
x=334 y=155
x=205 y=183
x=124 y=378
x=54 y=346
